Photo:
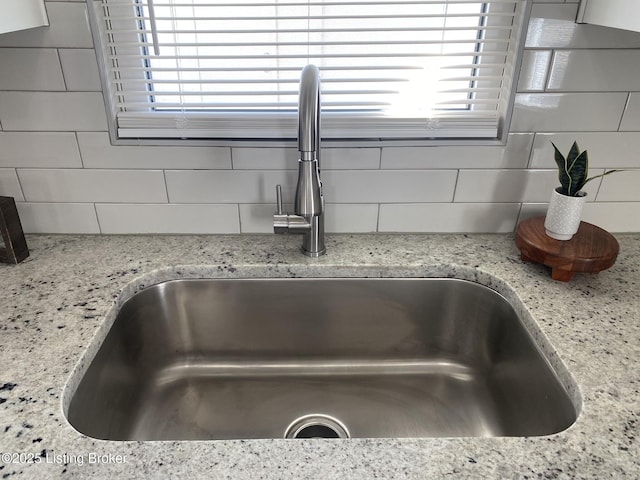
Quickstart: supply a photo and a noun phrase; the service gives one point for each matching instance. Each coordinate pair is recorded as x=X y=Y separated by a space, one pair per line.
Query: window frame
x=281 y=137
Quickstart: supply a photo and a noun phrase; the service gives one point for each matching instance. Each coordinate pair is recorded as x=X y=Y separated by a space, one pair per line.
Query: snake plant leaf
x=574 y=153
x=578 y=170
x=603 y=174
x=563 y=171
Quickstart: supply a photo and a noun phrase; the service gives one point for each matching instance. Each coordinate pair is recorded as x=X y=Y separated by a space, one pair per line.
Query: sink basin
x=364 y=357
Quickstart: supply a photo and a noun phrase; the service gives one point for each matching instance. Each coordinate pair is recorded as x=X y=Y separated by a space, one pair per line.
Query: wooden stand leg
x=525 y=258
x=561 y=275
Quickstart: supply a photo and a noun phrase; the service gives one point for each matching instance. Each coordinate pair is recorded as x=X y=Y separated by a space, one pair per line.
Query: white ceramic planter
x=563 y=215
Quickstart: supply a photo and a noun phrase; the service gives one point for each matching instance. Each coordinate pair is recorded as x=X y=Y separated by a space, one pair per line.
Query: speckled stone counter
x=55 y=303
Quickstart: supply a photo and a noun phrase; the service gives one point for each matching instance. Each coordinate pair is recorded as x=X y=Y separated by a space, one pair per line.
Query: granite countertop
x=53 y=304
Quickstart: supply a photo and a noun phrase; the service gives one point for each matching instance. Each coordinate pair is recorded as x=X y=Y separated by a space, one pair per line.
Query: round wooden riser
x=591 y=249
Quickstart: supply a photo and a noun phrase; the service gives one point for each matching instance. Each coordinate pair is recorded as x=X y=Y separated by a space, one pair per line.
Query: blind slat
x=371 y=68
x=355 y=43
x=307 y=3
x=143 y=56
x=402 y=17
x=305 y=30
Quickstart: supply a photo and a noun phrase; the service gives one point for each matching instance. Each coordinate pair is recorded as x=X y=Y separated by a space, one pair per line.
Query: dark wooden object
x=591 y=249
x=15 y=246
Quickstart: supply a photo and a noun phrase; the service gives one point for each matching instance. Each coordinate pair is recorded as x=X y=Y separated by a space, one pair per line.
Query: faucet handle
x=288 y=222
x=279 y=200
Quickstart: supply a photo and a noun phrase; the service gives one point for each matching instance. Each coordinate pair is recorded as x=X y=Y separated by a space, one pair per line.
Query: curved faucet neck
x=309 y=114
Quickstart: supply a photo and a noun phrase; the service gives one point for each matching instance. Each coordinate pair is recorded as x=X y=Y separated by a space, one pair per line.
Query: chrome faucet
x=308 y=216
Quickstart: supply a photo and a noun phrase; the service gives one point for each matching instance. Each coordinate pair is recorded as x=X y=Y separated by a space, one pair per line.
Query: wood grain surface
x=591 y=249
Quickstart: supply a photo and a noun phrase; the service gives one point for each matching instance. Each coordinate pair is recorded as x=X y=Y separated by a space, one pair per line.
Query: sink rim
x=437 y=271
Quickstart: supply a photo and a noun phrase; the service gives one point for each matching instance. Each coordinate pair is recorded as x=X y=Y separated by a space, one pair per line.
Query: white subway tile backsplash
x=222 y=186
x=68 y=28
x=277 y=158
x=563 y=112
x=613 y=216
x=514 y=155
x=341 y=186
x=392 y=186
x=9 y=185
x=39 y=149
x=530 y=210
x=79 y=186
x=339 y=218
x=534 y=70
x=605 y=149
x=350 y=158
x=512 y=185
x=196 y=219
x=30 y=69
x=595 y=70
x=54 y=147
x=351 y=218
x=631 y=119
x=620 y=187
x=58 y=217
x=449 y=217
x=258 y=217
x=52 y=111
x=504 y=185
x=554 y=26
x=248 y=158
x=80 y=69
x=97 y=152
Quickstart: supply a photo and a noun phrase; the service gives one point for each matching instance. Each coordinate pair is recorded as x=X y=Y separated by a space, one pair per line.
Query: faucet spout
x=309 y=113
x=308 y=218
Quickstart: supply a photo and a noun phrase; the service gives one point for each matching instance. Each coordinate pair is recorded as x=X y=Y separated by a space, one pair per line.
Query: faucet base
x=313 y=254
x=313 y=240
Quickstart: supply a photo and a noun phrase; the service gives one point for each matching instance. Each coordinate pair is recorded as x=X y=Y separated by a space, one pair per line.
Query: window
x=390 y=69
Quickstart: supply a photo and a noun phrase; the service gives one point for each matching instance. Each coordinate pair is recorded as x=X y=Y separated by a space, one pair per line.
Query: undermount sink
x=365 y=357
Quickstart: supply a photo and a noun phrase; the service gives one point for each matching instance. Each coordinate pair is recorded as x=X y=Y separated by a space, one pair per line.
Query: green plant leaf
x=602 y=175
x=578 y=170
x=563 y=171
x=574 y=153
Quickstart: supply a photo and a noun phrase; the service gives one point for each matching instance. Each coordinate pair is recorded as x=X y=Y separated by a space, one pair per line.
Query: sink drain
x=316 y=426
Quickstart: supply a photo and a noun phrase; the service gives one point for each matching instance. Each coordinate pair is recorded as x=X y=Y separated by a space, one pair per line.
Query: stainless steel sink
x=268 y=358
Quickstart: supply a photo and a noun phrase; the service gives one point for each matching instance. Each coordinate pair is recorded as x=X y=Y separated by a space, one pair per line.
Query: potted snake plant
x=565 y=207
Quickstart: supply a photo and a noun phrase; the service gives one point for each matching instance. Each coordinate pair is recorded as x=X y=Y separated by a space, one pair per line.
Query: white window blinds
x=390 y=69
